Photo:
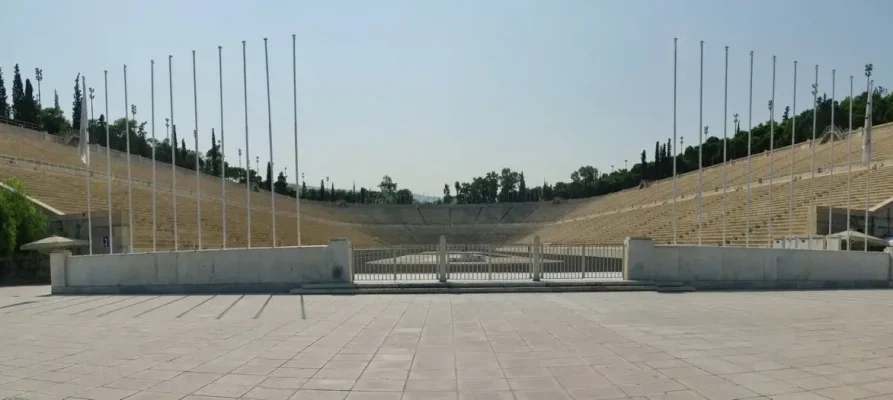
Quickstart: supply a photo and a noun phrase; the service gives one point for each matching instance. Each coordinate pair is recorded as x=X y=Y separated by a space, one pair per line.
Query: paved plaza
x=637 y=345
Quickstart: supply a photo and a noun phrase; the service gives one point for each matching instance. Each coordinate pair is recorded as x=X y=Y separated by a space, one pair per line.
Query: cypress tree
x=18 y=93
x=29 y=104
x=322 y=190
x=4 y=106
x=76 y=104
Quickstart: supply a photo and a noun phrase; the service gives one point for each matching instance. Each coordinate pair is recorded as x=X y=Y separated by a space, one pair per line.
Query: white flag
x=866 y=138
x=84 y=140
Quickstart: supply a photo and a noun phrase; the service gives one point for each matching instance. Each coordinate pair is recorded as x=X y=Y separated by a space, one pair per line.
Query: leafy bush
x=20 y=221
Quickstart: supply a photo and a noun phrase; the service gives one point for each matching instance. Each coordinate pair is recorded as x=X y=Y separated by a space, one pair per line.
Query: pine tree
x=655 y=171
x=269 y=183
x=213 y=155
x=76 y=105
x=668 y=167
x=184 y=162
x=56 y=101
x=29 y=104
x=322 y=190
x=4 y=106
x=18 y=93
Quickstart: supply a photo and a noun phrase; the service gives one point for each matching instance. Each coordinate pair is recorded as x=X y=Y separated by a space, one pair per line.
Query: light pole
x=167 y=128
x=257 y=166
x=240 y=161
x=91 y=104
x=38 y=74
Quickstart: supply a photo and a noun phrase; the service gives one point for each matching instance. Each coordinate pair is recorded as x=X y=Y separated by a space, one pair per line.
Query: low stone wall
x=273 y=270
x=754 y=268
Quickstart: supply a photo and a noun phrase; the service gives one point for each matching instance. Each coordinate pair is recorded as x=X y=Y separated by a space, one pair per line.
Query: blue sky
x=437 y=91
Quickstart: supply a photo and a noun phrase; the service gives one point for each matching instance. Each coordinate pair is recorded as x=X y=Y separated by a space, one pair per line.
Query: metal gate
x=486 y=262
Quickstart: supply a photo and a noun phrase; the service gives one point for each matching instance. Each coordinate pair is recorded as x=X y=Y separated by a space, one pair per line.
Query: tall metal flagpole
x=84 y=126
x=849 y=162
x=725 y=123
x=749 y=136
x=793 y=148
x=866 y=143
x=129 y=189
x=108 y=165
x=198 y=186
x=294 y=74
x=152 y=75
x=673 y=150
x=815 y=104
x=247 y=152
x=222 y=153
x=270 y=127
x=701 y=146
x=832 y=132
x=771 y=148
x=170 y=74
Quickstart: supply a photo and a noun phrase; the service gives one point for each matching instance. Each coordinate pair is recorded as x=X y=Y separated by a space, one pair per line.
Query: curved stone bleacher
x=52 y=172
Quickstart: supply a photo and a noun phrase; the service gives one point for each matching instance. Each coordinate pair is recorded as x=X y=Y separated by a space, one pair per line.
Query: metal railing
x=487 y=262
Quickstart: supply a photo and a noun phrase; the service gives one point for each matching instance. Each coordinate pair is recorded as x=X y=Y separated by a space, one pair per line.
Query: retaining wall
x=754 y=268
x=205 y=271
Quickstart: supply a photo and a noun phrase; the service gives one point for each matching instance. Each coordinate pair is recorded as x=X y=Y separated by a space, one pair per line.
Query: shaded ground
x=723 y=345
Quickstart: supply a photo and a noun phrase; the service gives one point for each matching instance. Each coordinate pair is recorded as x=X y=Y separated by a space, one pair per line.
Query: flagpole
x=108 y=164
x=675 y=220
x=749 y=136
x=170 y=74
x=793 y=148
x=294 y=74
x=866 y=143
x=152 y=75
x=700 y=146
x=198 y=187
x=849 y=162
x=86 y=135
x=725 y=126
x=771 y=148
x=129 y=189
x=812 y=144
x=221 y=153
x=832 y=133
x=270 y=127
x=247 y=152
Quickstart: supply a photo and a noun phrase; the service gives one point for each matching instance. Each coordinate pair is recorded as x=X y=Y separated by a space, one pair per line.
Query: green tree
x=56 y=100
x=29 y=104
x=18 y=94
x=4 y=105
x=54 y=122
x=322 y=190
x=281 y=183
x=213 y=155
x=268 y=184
x=76 y=105
x=20 y=221
x=388 y=189
x=447 y=198
x=303 y=189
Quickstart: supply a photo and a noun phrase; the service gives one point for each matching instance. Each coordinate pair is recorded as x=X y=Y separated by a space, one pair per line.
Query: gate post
x=442 y=260
x=537 y=258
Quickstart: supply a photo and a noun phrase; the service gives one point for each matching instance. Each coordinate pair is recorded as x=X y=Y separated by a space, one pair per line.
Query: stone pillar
x=537 y=258
x=636 y=258
x=889 y=250
x=442 y=274
x=58 y=273
x=341 y=254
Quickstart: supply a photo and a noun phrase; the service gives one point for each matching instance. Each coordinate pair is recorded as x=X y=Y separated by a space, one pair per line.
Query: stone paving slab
x=624 y=345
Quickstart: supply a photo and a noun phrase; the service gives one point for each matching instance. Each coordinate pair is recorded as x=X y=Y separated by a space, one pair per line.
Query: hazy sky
x=430 y=92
